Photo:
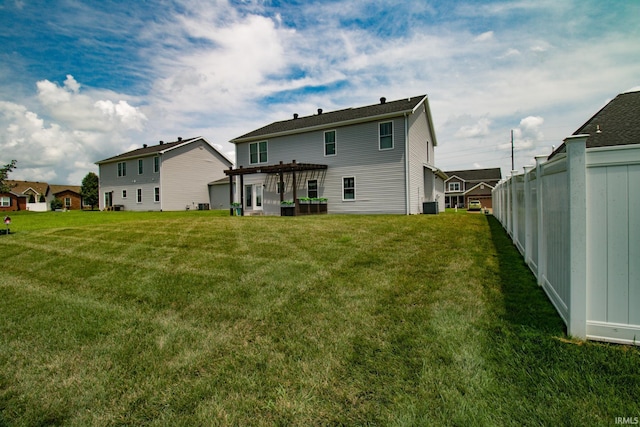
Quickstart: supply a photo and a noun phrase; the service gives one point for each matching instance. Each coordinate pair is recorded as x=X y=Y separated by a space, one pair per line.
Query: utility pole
x=513 y=166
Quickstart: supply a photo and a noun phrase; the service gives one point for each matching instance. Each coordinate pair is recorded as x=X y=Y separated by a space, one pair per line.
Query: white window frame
x=67 y=202
x=5 y=202
x=156 y=194
x=258 y=152
x=138 y=195
x=380 y=136
x=451 y=184
x=317 y=189
x=156 y=164
x=122 y=169
x=335 y=143
x=354 y=188
x=140 y=166
x=124 y=194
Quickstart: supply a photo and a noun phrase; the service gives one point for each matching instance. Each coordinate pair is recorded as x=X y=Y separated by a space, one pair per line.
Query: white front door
x=253 y=197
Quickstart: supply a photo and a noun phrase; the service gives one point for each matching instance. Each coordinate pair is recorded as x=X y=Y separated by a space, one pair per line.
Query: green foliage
x=42 y=199
x=4 y=174
x=199 y=318
x=89 y=190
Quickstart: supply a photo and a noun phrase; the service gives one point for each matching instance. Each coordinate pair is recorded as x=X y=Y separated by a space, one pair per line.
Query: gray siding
x=185 y=174
x=379 y=175
x=183 y=178
x=420 y=145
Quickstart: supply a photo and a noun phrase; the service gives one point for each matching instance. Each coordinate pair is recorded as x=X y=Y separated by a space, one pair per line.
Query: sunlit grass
x=198 y=318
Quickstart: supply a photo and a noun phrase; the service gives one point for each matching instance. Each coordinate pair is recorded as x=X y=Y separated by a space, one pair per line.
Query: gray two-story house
x=373 y=159
x=164 y=177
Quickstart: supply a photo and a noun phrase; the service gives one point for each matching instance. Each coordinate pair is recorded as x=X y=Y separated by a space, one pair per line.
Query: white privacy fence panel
x=576 y=220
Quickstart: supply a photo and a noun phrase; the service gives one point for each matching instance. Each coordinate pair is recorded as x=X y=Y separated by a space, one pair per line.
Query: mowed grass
x=198 y=318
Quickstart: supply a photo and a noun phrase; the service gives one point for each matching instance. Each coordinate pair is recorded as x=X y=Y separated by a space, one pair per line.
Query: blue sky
x=81 y=81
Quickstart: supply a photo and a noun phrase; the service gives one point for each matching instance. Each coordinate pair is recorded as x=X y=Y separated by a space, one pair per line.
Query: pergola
x=280 y=169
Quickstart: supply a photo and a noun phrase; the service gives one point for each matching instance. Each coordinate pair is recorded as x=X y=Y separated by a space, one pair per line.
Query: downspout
x=406 y=163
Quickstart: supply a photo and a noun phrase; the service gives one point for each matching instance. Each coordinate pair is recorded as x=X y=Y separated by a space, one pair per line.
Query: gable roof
x=19 y=187
x=477 y=175
x=617 y=123
x=57 y=189
x=161 y=148
x=336 y=118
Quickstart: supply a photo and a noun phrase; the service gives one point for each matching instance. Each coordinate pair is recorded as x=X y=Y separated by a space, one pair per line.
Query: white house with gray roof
x=373 y=159
x=164 y=177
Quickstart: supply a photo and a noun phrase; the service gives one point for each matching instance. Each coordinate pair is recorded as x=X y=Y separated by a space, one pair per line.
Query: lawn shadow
x=526 y=305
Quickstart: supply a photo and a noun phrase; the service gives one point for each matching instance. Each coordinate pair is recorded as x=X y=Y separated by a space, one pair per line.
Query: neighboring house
x=615 y=124
x=165 y=177
x=12 y=201
x=31 y=195
x=373 y=159
x=474 y=184
x=69 y=195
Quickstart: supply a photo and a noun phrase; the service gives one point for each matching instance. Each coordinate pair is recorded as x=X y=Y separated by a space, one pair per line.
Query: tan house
x=474 y=184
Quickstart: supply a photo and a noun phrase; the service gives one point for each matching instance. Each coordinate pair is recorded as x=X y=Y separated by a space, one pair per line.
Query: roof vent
x=161 y=142
x=319 y=111
x=383 y=100
x=179 y=138
x=144 y=145
x=295 y=115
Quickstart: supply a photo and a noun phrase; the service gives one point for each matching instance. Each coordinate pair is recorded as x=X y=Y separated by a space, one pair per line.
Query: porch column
x=281 y=183
x=241 y=194
x=295 y=192
x=230 y=192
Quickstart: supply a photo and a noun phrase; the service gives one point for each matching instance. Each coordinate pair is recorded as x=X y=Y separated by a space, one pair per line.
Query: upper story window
x=454 y=186
x=156 y=164
x=386 y=135
x=258 y=152
x=122 y=169
x=330 y=143
x=140 y=166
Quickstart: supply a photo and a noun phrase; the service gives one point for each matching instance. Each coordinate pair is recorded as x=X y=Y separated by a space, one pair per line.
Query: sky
x=81 y=81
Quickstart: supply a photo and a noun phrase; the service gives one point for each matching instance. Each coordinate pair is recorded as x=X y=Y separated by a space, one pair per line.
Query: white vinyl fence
x=576 y=221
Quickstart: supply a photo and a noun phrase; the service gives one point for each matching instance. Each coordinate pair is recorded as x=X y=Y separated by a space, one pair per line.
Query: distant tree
x=89 y=190
x=4 y=172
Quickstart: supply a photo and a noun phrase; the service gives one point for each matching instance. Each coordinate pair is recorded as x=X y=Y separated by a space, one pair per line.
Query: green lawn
x=198 y=318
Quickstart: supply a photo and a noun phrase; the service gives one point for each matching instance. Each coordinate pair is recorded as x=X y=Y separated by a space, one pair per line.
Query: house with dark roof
x=474 y=184
x=373 y=159
x=163 y=177
x=617 y=123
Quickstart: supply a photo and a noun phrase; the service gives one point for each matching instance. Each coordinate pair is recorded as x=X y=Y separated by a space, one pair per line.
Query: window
x=349 y=188
x=330 y=143
x=122 y=169
x=5 y=202
x=139 y=195
x=248 y=196
x=156 y=194
x=258 y=152
x=386 y=135
x=124 y=194
x=156 y=164
x=140 y=166
x=454 y=186
x=312 y=188
x=67 y=202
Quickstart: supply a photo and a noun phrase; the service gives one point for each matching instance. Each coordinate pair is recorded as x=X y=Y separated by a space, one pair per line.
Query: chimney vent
x=179 y=138
x=383 y=100
x=144 y=145
x=319 y=111
x=295 y=115
x=161 y=142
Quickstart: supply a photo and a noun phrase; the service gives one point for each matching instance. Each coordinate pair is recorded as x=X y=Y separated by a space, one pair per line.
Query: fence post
x=514 y=207
x=528 y=226
x=577 y=177
x=542 y=243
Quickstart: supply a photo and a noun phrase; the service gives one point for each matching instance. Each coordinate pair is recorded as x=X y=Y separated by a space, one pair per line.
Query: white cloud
x=480 y=128
x=486 y=36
